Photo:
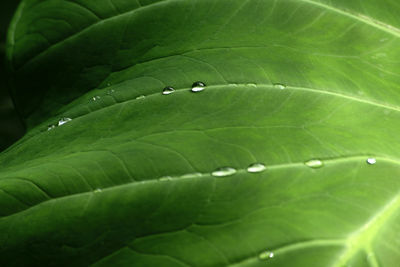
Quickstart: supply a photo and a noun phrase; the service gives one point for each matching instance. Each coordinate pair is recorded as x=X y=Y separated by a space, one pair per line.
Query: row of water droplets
x=200 y=86
x=259 y=167
x=62 y=121
x=109 y=93
x=65 y=119
x=196 y=87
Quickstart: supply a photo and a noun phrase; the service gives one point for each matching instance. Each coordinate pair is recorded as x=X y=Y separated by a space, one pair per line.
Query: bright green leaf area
x=127 y=182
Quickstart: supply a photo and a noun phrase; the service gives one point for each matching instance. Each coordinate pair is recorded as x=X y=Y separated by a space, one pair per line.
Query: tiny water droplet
x=371 y=161
x=224 y=171
x=51 y=127
x=110 y=92
x=64 y=121
x=141 y=97
x=95 y=98
x=251 y=85
x=165 y=178
x=256 y=167
x=168 y=90
x=266 y=255
x=314 y=163
x=279 y=86
x=97 y=190
x=191 y=175
x=198 y=87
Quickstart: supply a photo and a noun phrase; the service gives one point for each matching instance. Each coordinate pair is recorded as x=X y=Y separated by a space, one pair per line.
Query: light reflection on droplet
x=168 y=90
x=256 y=167
x=191 y=175
x=251 y=85
x=279 y=86
x=224 y=171
x=266 y=255
x=165 y=178
x=198 y=87
x=64 y=121
x=314 y=163
x=371 y=161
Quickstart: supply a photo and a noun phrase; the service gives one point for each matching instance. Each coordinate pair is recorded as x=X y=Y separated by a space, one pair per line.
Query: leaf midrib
x=203 y=174
x=261 y=85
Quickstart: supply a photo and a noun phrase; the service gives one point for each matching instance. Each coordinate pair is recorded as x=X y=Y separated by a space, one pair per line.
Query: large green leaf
x=129 y=181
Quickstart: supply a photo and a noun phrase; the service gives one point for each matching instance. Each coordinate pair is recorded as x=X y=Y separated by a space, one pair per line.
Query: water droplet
x=256 y=167
x=314 y=163
x=64 y=121
x=198 y=87
x=51 y=127
x=191 y=175
x=266 y=255
x=224 y=171
x=95 y=98
x=98 y=190
x=279 y=86
x=110 y=92
x=168 y=90
x=165 y=178
x=141 y=97
x=251 y=85
x=371 y=161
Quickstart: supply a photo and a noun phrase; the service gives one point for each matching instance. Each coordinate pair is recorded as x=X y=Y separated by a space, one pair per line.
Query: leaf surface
x=128 y=181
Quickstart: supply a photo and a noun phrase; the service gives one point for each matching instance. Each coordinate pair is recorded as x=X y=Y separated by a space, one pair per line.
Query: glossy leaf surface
x=308 y=89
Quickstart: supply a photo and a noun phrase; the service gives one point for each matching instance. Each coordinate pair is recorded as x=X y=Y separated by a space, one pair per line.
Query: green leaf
x=308 y=89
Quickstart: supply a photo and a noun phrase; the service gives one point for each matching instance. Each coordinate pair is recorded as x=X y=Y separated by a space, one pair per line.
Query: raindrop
x=110 y=92
x=266 y=255
x=95 y=98
x=98 y=190
x=168 y=90
x=191 y=175
x=165 y=178
x=141 y=97
x=198 y=87
x=279 y=86
x=251 y=85
x=51 y=127
x=224 y=171
x=256 y=167
x=64 y=121
x=371 y=161
x=314 y=163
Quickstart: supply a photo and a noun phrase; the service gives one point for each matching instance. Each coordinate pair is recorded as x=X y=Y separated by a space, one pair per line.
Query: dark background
x=11 y=128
